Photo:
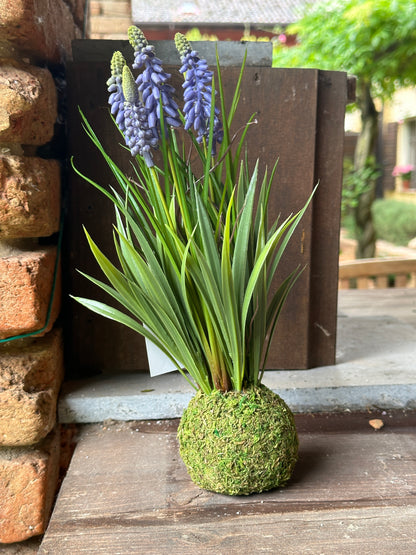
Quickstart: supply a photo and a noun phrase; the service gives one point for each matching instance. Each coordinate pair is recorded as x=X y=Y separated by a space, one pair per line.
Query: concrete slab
x=376 y=360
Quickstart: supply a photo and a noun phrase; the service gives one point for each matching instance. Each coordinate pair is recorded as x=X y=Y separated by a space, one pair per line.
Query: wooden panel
x=353 y=491
x=382 y=282
x=332 y=98
x=287 y=106
x=373 y=267
x=344 y=284
x=381 y=530
x=370 y=272
x=287 y=130
x=363 y=283
x=401 y=280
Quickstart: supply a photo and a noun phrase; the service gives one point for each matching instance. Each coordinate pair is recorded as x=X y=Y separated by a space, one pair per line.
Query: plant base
x=238 y=443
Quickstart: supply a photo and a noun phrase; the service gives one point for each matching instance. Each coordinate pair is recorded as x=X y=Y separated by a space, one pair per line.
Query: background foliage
x=375 y=40
x=395 y=221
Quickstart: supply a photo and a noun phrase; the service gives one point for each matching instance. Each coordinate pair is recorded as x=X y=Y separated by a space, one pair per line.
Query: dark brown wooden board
x=353 y=491
x=325 y=219
x=300 y=115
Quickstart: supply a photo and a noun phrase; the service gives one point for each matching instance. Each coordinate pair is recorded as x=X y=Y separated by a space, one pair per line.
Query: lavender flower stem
x=198 y=94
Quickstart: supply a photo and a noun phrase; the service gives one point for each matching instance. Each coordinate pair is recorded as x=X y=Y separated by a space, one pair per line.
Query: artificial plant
x=197 y=255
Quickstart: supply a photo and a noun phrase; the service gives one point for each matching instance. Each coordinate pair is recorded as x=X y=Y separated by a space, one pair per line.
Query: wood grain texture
x=332 y=98
x=382 y=266
x=383 y=530
x=353 y=491
x=370 y=272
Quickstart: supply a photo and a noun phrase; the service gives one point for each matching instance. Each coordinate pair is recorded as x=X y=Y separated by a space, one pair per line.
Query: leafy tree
x=375 y=40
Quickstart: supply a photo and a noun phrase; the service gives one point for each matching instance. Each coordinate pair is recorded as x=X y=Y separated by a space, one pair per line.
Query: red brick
x=28 y=483
x=29 y=197
x=28 y=106
x=31 y=373
x=25 y=289
x=41 y=29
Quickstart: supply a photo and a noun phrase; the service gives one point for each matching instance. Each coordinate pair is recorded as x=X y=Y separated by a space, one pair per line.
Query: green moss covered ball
x=238 y=443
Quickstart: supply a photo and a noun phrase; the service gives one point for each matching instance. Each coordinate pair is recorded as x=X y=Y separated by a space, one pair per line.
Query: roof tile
x=219 y=12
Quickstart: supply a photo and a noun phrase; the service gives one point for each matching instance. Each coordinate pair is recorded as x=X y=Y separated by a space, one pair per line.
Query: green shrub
x=394 y=221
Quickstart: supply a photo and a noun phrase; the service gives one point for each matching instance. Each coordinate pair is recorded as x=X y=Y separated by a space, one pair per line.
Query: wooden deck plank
x=384 y=531
x=127 y=491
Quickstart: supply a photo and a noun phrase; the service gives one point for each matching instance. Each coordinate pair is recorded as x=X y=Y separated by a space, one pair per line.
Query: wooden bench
x=377 y=273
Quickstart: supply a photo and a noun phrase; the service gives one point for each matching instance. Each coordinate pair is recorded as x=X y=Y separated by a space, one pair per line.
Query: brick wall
x=35 y=42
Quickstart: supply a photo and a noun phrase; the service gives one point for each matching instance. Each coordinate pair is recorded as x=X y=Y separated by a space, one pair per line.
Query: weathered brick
x=28 y=483
x=29 y=197
x=26 y=279
x=28 y=106
x=42 y=29
x=31 y=373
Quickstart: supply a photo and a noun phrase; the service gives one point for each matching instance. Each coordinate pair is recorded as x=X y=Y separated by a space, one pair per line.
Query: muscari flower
x=139 y=138
x=152 y=83
x=197 y=93
x=114 y=83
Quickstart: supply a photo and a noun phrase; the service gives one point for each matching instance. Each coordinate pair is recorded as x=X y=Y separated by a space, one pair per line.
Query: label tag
x=159 y=363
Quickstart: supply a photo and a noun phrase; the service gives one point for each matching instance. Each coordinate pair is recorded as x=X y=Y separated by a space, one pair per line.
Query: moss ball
x=238 y=443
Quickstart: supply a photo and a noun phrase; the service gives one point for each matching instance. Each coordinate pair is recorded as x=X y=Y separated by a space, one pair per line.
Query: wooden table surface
x=353 y=492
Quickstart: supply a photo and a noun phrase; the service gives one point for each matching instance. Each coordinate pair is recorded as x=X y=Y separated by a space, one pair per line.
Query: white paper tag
x=159 y=363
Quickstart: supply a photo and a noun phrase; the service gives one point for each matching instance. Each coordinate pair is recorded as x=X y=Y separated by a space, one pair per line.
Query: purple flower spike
x=114 y=83
x=152 y=83
x=139 y=138
x=197 y=93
